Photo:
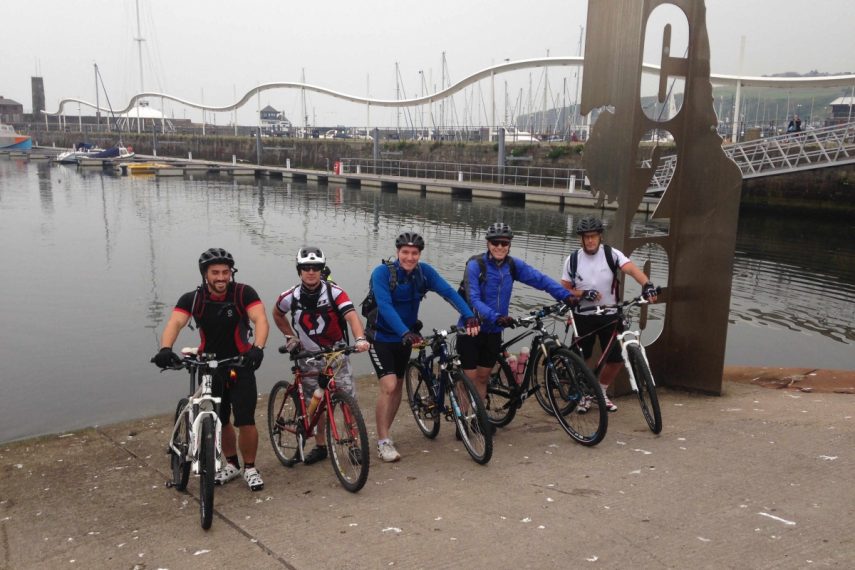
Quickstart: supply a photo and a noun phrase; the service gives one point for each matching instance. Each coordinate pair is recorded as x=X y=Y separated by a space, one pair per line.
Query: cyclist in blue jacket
x=398 y=298
x=488 y=282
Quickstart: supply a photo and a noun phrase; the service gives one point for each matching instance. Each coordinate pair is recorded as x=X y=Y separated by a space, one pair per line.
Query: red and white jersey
x=317 y=322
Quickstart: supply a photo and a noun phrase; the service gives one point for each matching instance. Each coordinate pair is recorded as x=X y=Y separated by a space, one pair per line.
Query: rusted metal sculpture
x=702 y=199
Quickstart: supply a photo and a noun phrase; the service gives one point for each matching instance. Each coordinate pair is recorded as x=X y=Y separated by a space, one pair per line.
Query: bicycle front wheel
x=420 y=397
x=347 y=441
x=474 y=428
x=646 y=388
x=284 y=424
x=179 y=462
x=206 y=472
x=502 y=394
x=571 y=388
x=538 y=378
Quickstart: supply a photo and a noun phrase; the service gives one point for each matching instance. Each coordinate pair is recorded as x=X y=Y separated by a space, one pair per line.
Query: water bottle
x=511 y=359
x=317 y=395
x=522 y=360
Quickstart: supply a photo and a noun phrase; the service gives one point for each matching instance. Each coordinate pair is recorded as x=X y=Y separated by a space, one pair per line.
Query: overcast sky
x=214 y=48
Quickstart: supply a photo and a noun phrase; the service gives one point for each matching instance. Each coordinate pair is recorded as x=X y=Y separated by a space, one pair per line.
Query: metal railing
x=510 y=175
x=790 y=152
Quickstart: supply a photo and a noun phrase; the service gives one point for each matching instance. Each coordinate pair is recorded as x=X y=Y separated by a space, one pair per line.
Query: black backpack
x=369 y=304
x=326 y=284
x=234 y=294
x=463 y=290
x=610 y=259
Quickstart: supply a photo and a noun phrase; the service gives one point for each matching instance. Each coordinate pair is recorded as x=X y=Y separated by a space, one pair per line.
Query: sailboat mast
x=97 y=101
x=139 y=39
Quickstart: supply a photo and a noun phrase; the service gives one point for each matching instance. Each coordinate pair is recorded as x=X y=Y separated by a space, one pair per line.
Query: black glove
x=648 y=290
x=590 y=295
x=293 y=345
x=166 y=358
x=506 y=321
x=253 y=357
x=411 y=338
x=471 y=323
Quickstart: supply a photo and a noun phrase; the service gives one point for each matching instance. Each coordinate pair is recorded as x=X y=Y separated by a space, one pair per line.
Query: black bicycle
x=430 y=378
x=556 y=376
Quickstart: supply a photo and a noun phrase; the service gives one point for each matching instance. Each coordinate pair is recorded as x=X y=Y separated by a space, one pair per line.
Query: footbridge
x=781 y=154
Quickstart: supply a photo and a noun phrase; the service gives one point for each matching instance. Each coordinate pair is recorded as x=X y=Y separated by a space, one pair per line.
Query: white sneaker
x=253 y=479
x=584 y=405
x=610 y=406
x=387 y=452
x=226 y=473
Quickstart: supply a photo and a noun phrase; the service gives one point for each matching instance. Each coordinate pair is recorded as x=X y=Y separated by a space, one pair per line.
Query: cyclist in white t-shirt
x=594 y=281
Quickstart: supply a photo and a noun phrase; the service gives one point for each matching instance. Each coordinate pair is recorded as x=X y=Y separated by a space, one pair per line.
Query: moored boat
x=10 y=140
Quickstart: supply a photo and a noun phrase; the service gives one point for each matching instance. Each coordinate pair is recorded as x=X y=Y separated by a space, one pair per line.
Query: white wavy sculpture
x=827 y=81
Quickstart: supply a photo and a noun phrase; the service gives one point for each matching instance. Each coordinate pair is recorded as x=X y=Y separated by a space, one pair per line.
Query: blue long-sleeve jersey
x=398 y=310
x=492 y=298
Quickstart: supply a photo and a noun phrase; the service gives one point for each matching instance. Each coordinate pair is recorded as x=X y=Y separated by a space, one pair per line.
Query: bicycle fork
x=626 y=339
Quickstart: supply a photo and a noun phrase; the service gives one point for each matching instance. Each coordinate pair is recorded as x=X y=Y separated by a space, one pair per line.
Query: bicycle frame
x=537 y=345
x=326 y=380
x=201 y=403
x=625 y=339
x=438 y=386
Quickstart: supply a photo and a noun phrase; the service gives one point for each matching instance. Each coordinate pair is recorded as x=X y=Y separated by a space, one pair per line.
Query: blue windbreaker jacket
x=492 y=299
x=399 y=310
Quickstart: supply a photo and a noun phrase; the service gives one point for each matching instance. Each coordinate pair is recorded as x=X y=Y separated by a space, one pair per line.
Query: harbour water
x=94 y=263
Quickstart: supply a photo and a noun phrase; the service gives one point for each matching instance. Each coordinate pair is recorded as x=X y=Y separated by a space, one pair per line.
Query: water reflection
x=100 y=314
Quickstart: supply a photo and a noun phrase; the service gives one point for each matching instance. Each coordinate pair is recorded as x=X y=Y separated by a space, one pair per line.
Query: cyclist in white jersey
x=595 y=283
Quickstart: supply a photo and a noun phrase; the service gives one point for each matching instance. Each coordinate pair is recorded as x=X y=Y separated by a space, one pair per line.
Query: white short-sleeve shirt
x=592 y=272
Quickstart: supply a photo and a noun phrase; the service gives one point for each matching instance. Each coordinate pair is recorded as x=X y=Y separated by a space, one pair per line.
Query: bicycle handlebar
x=600 y=309
x=310 y=354
x=536 y=315
x=205 y=359
x=438 y=334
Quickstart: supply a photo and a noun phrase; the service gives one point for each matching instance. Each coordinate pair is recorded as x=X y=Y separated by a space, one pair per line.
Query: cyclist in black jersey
x=225 y=312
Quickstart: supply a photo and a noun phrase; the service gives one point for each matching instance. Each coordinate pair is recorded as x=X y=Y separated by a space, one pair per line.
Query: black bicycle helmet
x=410 y=238
x=589 y=224
x=213 y=256
x=500 y=230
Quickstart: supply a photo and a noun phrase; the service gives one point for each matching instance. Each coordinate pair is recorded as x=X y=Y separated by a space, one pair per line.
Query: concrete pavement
x=756 y=478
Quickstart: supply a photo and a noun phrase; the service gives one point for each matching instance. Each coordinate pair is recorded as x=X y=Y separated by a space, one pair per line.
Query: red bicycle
x=291 y=422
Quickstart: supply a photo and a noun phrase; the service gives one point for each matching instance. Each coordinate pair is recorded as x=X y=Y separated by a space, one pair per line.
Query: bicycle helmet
x=589 y=224
x=214 y=256
x=310 y=255
x=500 y=230
x=410 y=238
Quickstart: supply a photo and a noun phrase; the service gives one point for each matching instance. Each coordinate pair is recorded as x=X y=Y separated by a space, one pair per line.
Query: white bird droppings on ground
x=779 y=519
x=394 y=529
x=203 y=551
x=828 y=457
x=593 y=558
x=702 y=539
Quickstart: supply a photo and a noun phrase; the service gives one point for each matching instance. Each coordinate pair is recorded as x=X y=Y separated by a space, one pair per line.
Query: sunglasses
x=311 y=267
x=500 y=243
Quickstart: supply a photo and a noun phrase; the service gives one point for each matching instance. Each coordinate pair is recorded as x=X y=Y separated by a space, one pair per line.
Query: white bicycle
x=196 y=440
x=634 y=356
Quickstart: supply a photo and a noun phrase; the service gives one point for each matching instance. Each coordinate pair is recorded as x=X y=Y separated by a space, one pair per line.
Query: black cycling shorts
x=479 y=350
x=588 y=323
x=390 y=358
x=239 y=395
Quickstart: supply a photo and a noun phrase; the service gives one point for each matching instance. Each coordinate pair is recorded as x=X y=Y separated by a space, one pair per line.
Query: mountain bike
x=196 y=440
x=556 y=376
x=430 y=378
x=634 y=356
x=290 y=422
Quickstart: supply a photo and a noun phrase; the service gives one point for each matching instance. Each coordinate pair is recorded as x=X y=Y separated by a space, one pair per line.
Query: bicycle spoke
x=347 y=440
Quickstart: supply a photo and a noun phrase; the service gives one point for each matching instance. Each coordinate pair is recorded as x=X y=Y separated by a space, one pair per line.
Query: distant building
x=38 y=87
x=274 y=122
x=842 y=110
x=11 y=111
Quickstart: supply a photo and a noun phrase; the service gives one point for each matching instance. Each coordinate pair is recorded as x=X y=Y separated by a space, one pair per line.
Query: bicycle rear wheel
x=475 y=430
x=348 y=446
x=420 y=397
x=502 y=394
x=181 y=440
x=571 y=387
x=646 y=388
x=206 y=472
x=284 y=424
